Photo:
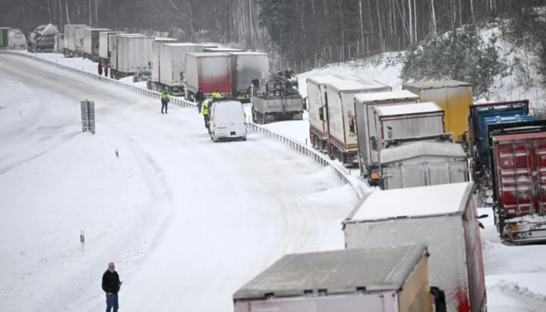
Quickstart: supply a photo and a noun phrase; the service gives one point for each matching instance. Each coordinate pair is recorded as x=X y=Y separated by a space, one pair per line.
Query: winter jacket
x=165 y=97
x=110 y=282
x=199 y=96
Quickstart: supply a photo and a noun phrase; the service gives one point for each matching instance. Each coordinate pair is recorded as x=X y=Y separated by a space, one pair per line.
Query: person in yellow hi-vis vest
x=205 y=111
x=216 y=95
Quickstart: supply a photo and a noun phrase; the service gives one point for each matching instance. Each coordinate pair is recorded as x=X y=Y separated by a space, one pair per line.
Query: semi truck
x=444 y=217
x=423 y=161
x=382 y=279
x=363 y=121
x=454 y=97
x=155 y=63
x=104 y=45
x=276 y=99
x=481 y=115
x=247 y=67
x=172 y=64
x=208 y=71
x=342 y=144
x=42 y=39
x=16 y=40
x=91 y=42
x=130 y=53
x=517 y=162
x=73 y=39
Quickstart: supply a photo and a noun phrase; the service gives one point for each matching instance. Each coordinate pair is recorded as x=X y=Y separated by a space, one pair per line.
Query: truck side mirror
x=374 y=143
x=321 y=113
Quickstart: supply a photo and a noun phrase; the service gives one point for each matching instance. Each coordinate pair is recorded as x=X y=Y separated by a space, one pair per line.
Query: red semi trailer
x=208 y=71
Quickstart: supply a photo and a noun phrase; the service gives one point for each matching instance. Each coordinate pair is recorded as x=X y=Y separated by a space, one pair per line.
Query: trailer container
x=342 y=142
x=519 y=180
x=423 y=163
x=73 y=39
x=392 y=279
x=208 y=71
x=4 y=37
x=444 y=217
x=156 y=60
x=133 y=52
x=104 y=44
x=91 y=41
x=481 y=115
x=363 y=123
x=173 y=65
x=454 y=97
x=247 y=67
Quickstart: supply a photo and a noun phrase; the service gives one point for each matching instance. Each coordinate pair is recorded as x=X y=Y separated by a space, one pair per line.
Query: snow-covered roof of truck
x=352 y=85
x=164 y=39
x=436 y=84
x=248 y=53
x=413 y=202
x=225 y=49
x=323 y=79
x=407 y=109
x=421 y=148
x=338 y=271
x=207 y=54
x=182 y=44
x=386 y=96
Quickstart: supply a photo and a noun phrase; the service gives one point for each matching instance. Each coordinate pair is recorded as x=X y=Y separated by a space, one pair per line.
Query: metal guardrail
x=299 y=147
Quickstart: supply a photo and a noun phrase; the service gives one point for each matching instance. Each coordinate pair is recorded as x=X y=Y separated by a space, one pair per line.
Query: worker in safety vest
x=216 y=95
x=165 y=98
x=205 y=111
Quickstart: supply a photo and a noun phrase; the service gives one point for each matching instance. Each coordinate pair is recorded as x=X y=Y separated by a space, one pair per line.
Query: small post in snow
x=82 y=240
x=306 y=142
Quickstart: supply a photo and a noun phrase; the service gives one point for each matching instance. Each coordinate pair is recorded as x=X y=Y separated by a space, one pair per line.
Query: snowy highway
x=187 y=221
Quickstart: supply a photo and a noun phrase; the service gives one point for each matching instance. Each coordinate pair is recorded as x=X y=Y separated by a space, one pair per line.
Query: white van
x=227 y=121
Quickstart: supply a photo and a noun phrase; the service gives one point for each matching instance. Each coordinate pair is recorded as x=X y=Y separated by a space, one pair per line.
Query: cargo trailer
x=481 y=115
x=444 y=217
x=172 y=66
x=208 y=71
x=342 y=144
x=388 y=279
x=517 y=158
x=73 y=39
x=454 y=97
x=363 y=123
x=104 y=44
x=423 y=163
x=247 y=67
x=91 y=40
x=156 y=61
x=133 y=53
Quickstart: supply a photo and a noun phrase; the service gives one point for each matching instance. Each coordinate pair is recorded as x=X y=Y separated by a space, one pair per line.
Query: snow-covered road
x=207 y=217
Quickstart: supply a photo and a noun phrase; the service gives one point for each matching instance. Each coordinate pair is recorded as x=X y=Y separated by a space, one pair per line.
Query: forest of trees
x=305 y=33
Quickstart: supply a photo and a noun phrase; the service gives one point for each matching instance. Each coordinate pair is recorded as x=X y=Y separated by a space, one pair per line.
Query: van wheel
x=244 y=139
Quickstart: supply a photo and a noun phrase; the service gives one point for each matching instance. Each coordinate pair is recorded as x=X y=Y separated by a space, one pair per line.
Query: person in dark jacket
x=111 y=285
x=199 y=98
x=100 y=69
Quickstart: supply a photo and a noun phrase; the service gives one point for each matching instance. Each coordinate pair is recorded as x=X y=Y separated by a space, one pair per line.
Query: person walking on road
x=205 y=111
x=165 y=99
x=111 y=285
x=100 y=69
x=199 y=98
x=105 y=66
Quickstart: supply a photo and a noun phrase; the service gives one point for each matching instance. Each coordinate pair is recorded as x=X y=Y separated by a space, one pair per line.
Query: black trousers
x=206 y=117
x=164 y=106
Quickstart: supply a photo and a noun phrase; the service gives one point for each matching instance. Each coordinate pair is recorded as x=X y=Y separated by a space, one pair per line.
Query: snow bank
x=25 y=112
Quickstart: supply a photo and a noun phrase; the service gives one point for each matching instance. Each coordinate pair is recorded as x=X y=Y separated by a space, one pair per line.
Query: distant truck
x=73 y=39
x=454 y=97
x=339 y=98
x=152 y=83
x=423 y=161
x=363 y=122
x=388 y=279
x=104 y=44
x=4 y=37
x=16 y=40
x=172 y=65
x=517 y=162
x=276 y=99
x=481 y=115
x=91 y=41
x=209 y=71
x=444 y=217
x=42 y=39
x=247 y=67
x=130 y=54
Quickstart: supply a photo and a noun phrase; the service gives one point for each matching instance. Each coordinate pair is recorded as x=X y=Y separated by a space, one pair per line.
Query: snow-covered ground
x=206 y=217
